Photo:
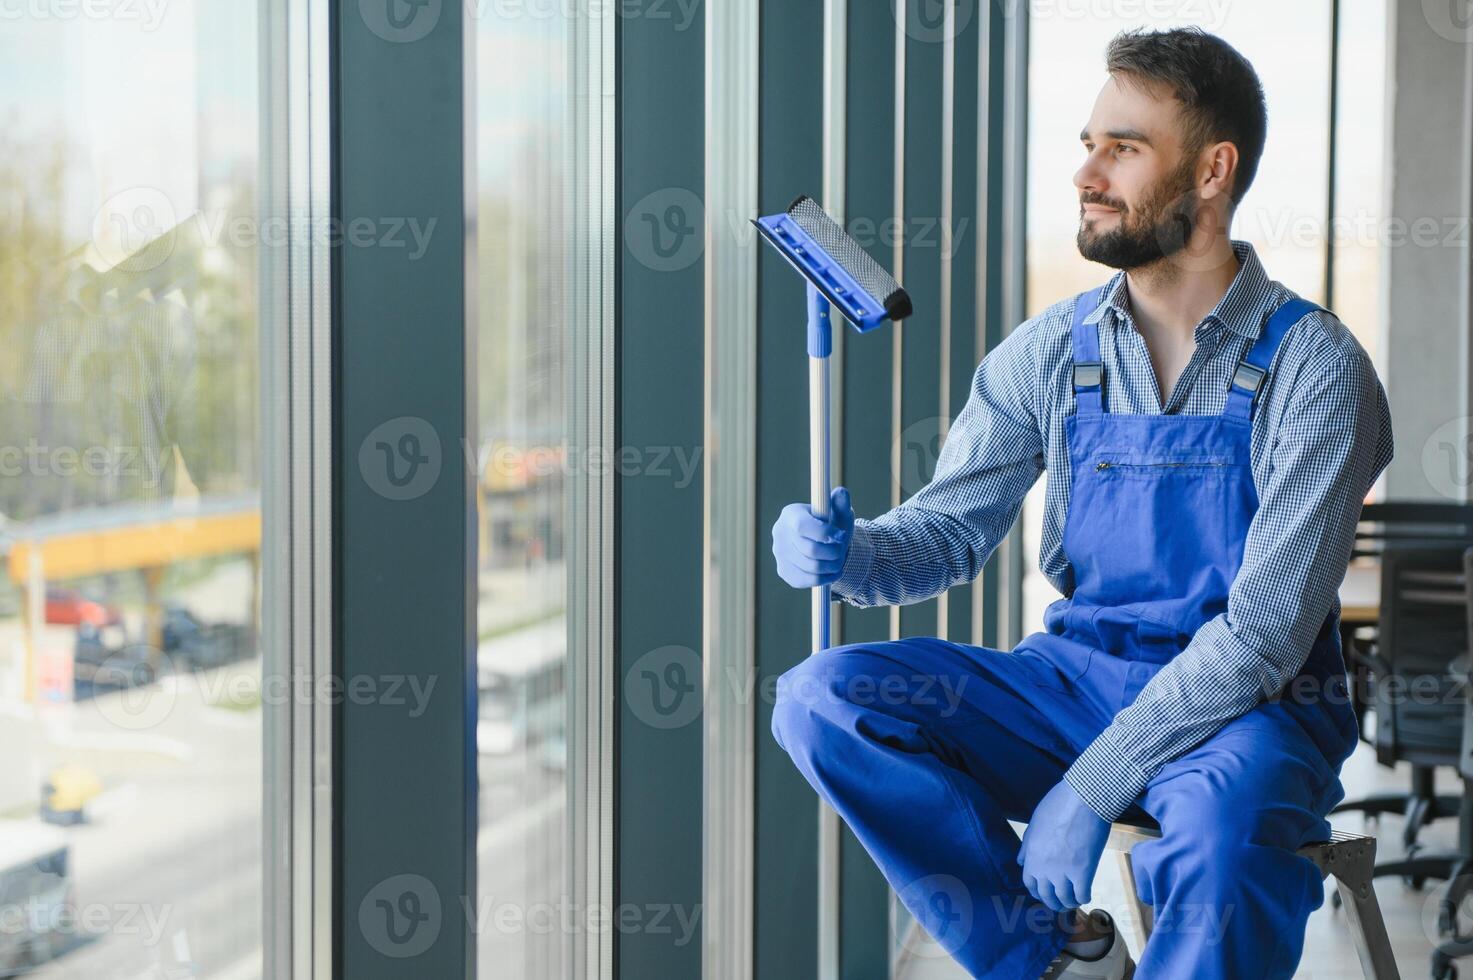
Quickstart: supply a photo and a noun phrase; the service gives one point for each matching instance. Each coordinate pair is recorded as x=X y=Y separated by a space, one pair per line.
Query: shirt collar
x=1244 y=308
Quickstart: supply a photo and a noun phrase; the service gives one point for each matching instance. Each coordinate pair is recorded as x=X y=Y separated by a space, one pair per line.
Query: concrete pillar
x=1426 y=305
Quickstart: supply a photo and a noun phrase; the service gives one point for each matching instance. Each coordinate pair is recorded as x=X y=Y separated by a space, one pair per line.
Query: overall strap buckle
x=1089 y=374
x=1250 y=372
x=1249 y=377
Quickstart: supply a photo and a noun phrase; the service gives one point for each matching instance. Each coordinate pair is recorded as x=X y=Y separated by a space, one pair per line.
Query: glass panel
x=1360 y=181
x=130 y=693
x=522 y=142
x=1283 y=214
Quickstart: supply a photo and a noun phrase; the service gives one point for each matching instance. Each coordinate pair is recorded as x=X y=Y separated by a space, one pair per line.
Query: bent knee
x=813 y=690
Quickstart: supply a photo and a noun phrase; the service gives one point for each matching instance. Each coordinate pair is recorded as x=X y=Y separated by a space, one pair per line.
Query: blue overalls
x=926 y=748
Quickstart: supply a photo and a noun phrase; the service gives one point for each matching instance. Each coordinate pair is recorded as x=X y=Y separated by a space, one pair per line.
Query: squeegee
x=841 y=276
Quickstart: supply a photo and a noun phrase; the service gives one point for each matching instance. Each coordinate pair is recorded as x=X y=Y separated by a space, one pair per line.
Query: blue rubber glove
x=811 y=552
x=1061 y=849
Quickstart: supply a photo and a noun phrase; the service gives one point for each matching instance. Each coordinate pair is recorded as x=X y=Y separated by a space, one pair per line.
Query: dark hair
x=1221 y=96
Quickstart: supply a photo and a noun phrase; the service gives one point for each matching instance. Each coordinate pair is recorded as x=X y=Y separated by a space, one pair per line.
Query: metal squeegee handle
x=819 y=346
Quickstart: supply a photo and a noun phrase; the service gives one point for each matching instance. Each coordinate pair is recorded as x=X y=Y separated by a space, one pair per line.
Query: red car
x=68 y=607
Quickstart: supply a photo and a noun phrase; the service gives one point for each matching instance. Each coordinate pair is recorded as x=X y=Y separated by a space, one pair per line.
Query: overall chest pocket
x=1194 y=466
x=1158 y=525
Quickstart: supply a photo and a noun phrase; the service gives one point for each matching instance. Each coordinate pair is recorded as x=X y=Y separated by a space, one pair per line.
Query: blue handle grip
x=820 y=334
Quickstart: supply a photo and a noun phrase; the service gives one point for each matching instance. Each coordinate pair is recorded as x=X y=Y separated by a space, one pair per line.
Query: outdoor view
x=130 y=706
x=522 y=138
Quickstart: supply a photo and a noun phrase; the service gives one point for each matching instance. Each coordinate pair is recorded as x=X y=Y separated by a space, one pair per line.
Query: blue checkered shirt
x=1321 y=435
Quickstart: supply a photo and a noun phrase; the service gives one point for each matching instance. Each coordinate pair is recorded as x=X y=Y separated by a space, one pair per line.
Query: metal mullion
x=403 y=554
x=296 y=501
x=589 y=500
x=1014 y=248
x=729 y=516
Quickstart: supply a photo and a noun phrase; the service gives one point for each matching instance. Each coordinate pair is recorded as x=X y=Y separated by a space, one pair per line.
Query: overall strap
x=1253 y=368
x=1089 y=370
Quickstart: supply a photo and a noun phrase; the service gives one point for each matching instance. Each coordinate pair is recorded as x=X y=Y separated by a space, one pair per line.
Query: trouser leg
x=926 y=749
x=1231 y=896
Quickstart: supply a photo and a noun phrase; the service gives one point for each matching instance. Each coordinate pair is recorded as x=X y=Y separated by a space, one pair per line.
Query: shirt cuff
x=1104 y=778
x=857 y=561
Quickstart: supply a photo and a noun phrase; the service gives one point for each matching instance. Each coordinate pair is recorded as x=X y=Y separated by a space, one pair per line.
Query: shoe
x=1113 y=964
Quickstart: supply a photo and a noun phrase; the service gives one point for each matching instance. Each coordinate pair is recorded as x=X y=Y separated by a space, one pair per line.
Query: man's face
x=1137 y=195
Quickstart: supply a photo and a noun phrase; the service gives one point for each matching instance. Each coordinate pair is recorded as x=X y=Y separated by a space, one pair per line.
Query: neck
x=1173 y=294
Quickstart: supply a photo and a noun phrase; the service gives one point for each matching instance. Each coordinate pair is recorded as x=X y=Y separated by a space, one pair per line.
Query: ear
x=1219 y=170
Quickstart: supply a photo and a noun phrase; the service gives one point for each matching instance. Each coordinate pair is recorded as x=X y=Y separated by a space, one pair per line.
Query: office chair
x=1416 y=699
x=1460 y=879
x=1417 y=524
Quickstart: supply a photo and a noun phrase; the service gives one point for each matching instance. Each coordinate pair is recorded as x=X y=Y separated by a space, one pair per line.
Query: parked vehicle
x=193 y=645
x=35 y=894
x=104 y=659
x=68 y=607
x=66 y=793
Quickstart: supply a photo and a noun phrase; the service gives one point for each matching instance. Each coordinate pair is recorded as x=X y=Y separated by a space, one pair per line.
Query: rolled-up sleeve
x=1333 y=441
x=943 y=535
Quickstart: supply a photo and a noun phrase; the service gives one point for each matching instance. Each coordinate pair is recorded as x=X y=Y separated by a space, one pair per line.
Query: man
x=1209 y=439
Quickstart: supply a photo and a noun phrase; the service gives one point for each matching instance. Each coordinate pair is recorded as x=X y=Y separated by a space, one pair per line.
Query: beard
x=1158 y=227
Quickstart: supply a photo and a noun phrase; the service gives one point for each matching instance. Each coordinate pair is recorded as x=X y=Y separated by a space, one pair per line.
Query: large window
x=522 y=141
x=130 y=695
x=1359 y=226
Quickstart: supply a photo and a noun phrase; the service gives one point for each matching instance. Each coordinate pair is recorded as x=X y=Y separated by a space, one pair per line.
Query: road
x=172 y=862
